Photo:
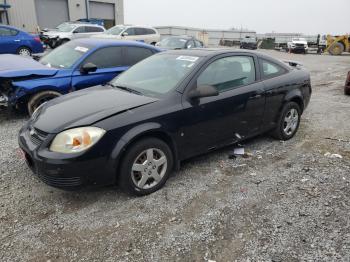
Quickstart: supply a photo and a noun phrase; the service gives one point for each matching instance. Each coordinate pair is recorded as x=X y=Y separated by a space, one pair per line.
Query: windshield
x=173 y=42
x=65 y=27
x=65 y=56
x=117 y=30
x=158 y=74
x=249 y=40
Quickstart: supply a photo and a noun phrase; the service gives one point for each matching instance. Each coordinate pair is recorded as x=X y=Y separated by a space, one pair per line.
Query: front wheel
x=146 y=167
x=288 y=122
x=38 y=99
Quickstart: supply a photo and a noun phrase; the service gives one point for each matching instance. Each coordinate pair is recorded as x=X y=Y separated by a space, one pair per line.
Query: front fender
x=23 y=89
x=132 y=135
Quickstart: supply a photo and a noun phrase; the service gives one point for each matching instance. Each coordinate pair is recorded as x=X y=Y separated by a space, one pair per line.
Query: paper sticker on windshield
x=81 y=49
x=188 y=58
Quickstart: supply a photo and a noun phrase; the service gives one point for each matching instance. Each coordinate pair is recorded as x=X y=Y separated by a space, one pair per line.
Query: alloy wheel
x=24 y=52
x=149 y=168
x=290 y=122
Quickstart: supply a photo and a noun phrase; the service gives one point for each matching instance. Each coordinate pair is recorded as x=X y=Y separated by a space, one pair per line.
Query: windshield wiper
x=130 y=90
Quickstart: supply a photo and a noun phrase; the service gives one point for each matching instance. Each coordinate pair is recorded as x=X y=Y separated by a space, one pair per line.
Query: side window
x=140 y=31
x=80 y=29
x=7 y=32
x=229 y=72
x=106 y=58
x=150 y=31
x=131 y=31
x=136 y=54
x=270 y=69
x=92 y=29
x=190 y=44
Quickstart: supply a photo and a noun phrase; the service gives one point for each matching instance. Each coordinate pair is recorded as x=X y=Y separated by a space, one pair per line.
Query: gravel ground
x=288 y=201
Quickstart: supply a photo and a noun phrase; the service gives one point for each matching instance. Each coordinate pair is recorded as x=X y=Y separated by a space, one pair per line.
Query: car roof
x=84 y=23
x=206 y=52
x=142 y=26
x=10 y=27
x=211 y=52
x=102 y=42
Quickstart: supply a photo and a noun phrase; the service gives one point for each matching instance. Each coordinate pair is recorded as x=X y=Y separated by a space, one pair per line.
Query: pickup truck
x=298 y=45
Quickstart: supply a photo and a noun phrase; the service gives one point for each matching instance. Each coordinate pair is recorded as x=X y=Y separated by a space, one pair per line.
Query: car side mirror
x=125 y=34
x=87 y=68
x=203 y=91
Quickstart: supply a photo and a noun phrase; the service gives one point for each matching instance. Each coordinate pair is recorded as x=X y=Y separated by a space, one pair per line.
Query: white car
x=69 y=31
x=145 y=34
x=298 y=45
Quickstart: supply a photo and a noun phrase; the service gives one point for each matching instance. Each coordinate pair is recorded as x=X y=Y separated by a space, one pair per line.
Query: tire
x=347 y=90
x=36 y=100
x=336 y=49
x=63 y=41
x=141 y=181
x=281 y=131
x=24 y=51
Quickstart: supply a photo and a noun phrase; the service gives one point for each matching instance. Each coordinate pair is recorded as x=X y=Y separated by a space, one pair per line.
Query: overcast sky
x=263 y=16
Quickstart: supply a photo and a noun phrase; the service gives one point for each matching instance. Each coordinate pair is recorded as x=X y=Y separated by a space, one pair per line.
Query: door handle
x=255 y=95
x=17 y=40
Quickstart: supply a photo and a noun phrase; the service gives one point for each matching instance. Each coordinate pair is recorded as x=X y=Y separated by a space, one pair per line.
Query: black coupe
x=170 y=107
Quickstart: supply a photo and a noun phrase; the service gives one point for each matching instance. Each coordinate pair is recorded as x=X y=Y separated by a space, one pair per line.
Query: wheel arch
x=136 y=134
x=29 y=93
x=295 y=96
x=24 y=46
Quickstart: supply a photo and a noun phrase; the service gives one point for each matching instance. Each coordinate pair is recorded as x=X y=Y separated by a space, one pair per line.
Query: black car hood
x=86 y=107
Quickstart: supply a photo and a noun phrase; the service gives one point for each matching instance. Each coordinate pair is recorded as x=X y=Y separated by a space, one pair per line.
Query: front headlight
x=76 y=139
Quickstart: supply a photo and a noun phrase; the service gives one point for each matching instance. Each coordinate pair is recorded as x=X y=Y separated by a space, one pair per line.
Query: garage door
x=103 y=11
x=51 y=13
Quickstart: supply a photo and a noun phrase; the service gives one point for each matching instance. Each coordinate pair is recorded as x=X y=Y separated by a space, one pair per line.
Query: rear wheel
x=347 y=90
x=38 y=99
x=24 y=51
x=288 y=122
x=145 y=167
x=336 y=49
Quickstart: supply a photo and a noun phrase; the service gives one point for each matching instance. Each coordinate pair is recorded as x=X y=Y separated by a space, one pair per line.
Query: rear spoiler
x=293 y=63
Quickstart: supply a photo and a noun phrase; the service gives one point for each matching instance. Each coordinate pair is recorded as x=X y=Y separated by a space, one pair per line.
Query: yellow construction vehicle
x=336 y=45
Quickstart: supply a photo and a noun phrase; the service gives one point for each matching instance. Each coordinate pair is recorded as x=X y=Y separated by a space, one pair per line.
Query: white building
x=29 y=14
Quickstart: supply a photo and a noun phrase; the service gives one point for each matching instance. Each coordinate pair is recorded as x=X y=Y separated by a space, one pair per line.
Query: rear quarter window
x=134 y=55
x=270 y=69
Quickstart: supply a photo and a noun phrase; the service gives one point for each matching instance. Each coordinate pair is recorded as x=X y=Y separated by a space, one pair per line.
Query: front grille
x=300 y=45
x=37 y=136
x=62 y=182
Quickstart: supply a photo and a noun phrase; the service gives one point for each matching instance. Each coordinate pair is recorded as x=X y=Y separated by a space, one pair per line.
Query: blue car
x=15 y=41
x=78 y=64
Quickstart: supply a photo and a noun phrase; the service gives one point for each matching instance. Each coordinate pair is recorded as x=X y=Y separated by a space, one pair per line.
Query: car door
x=9 y=40
x=109 y=62
x=130 y=34
x=93 y=30
x=80 y=32
x=234 y=114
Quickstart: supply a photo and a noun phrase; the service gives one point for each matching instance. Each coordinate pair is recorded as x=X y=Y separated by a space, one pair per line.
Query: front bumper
x=56 y=169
